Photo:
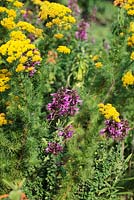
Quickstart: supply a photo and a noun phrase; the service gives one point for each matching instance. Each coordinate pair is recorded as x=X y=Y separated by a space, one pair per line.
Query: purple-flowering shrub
x=64 y=103
x=116 y=130
x=73 y=5
x=67 y=132
x=54 y=148
x=81 y=33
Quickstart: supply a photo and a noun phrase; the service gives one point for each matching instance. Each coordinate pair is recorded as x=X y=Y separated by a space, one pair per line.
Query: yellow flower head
x=3 y=120
x=20 y=68
x=11 y=13
x=130 y=41
x=8 y=22
x=130 y=12
x=98 y=64
x=18 y=4
x=131 y=29
x=17 y=35
x=4 y=79
x=95 y=57
x=109 y=111
x=58 y=35
x=128 y=79
x=132 y=56
x=63 y=49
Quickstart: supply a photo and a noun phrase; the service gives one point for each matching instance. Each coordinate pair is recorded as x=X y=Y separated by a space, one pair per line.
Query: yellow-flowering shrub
x=14 y=53
x=26 y=53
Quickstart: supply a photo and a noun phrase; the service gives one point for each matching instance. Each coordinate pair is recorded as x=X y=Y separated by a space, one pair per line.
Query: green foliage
x=108 y=168
x=90 y=167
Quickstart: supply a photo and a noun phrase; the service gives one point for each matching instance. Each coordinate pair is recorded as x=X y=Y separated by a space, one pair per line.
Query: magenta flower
x=116 y=130
x=64 y=103
x=67 y=132
x=54 y=148
x=81 y=33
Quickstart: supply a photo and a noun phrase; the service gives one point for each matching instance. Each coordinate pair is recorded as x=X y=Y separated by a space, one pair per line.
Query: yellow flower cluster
x=37 y=2
x=15 y=3
x=131 y=29
x=29 y=28
x=130 y=41
x=2 y=119
x=129 y=7
x=10 y=12
x=132 y=56
x=98 y=64
x=128 y=79
x=58 y=36
x=57 y=14
x=25 y=51
x=109 y=111
x=10 y=49
x=95 y=59
x=18 y=4
x=63 y=49
x=4 y=78
x=8 y=22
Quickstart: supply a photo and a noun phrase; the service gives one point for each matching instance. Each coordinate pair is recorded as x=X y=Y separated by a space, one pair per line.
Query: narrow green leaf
x=103 y=191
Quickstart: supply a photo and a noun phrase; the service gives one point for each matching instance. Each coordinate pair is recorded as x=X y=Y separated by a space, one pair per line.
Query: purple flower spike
x=73 y=5
x=81 y=33
x=64 y=103
x=116 y=130
x=54 y=148
x=67 y=132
